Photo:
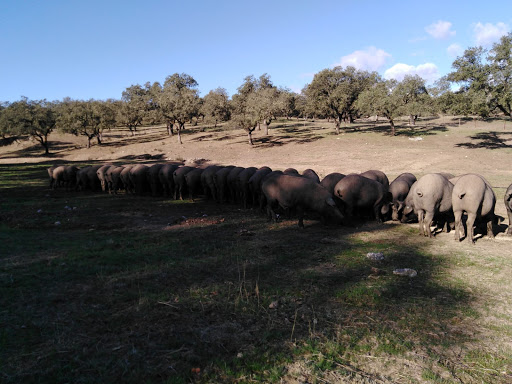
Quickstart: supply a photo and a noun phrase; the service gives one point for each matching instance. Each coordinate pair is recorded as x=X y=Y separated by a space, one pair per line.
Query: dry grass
x=126 y=289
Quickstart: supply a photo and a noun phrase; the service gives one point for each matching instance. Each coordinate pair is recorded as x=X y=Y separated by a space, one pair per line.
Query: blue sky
x=95 y=49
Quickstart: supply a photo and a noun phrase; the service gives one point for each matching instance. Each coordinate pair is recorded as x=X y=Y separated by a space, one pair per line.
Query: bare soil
x=433 y=145
x=445 y=144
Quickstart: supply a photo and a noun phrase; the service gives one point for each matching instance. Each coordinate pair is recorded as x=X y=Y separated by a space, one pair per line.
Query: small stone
x=375 y=256
x=57 y=223
x=39 y=210
x=274 y=305
x=405 y=272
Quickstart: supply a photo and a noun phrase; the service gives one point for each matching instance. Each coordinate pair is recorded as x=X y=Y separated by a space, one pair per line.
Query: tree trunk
x=170 y=131
x=265 y=125
x=249 y=134
x=337 y=122
x=392 y=124
x=259 y=127
x=46 y=146
x=179 y=129
x=99 y=139
x=89 y=142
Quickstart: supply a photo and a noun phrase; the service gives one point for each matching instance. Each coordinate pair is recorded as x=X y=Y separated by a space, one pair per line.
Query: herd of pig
x=435 y=198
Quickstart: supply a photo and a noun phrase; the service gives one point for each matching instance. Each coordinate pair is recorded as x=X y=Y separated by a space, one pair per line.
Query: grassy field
x=99 y=288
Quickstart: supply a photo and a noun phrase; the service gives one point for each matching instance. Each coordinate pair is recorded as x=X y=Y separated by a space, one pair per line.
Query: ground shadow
x=400 y=130
x=489 y=140
x=163 y=288
x=37 y=150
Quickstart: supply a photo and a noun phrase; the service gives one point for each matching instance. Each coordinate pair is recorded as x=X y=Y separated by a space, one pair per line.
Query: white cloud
x=486 y=34
x=455 y=50
x=427 y=71
x=370 y=59
x=440 y=30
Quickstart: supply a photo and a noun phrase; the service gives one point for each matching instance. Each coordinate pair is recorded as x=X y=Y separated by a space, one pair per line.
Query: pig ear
x=330 y=201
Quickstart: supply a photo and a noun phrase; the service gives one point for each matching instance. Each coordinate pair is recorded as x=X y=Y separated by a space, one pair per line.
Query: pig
x=153 y=176
x=125 y=179
x=193 y=180
x=242 y=182
x=474 y=195
x=180 y=184
x=255 y=183
x=291 y=171
x=431 y=196
x=231 y=181
x=399 y=189
x=310 y=174
x=166 y=177
x=300 y=193
x=377 y=176
x=331 y=180
x=207 y=181
x=221 y=184
x=139 y=179
x=508 y=206
x=358 y=194
x=102 y=176
x=113 y=178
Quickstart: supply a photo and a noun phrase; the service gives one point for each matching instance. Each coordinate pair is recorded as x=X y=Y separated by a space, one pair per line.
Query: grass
x=140 y=289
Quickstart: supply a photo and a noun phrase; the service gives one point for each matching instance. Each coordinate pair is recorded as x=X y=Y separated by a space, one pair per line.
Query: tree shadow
x=139 y=138
x=401 y=130
x=37 y=150
x=217 y=288
x=489 y=140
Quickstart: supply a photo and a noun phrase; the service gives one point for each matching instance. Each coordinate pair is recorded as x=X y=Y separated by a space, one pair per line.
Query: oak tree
x=35 y=118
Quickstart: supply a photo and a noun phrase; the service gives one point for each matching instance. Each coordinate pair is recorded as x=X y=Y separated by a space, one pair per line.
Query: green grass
x=121 y=291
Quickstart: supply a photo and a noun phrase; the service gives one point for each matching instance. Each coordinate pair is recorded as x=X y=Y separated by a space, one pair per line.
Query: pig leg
x=421 y=216
x=470 y=227
x=271 y=214
x=429 y=216
x=490 y=231
x=458 y=225
x=509 y=229
x=300 y=214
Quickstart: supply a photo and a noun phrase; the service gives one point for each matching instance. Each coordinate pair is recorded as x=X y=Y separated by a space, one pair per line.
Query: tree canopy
x=480 y=84
x=35 y=118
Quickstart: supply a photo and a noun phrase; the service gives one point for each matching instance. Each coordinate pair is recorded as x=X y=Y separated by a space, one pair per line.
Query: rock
x=274 y=305
x=405 y=272
x=57 y=223
x=375 y=256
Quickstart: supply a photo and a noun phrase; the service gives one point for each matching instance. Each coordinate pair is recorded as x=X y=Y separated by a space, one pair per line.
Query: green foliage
x=252 y=103
x=134 y=106
x=34 y=118
x=414 y=98
x=215 y=106
x=86 y=118
x=178 y=100
x=486 y=77
x=381 y=99
x=333 y=92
